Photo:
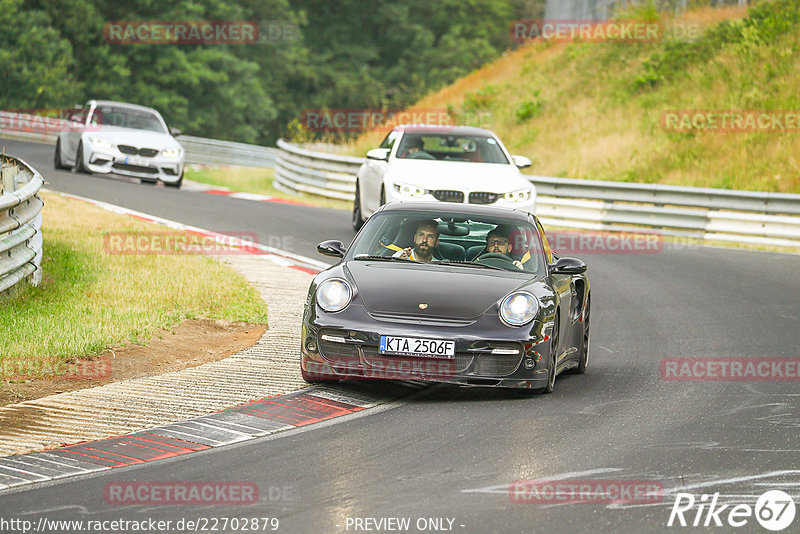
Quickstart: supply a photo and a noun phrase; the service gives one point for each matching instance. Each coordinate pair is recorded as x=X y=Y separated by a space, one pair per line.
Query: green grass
x=257 y=180
x=90 y=300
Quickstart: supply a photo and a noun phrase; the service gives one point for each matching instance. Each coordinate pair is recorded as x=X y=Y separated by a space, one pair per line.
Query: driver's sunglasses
x=500 y=242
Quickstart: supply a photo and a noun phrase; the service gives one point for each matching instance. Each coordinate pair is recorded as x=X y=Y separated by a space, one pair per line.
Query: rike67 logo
x=774 y=510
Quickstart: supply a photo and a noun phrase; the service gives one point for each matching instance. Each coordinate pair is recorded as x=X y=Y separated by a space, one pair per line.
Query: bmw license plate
x=412 y=346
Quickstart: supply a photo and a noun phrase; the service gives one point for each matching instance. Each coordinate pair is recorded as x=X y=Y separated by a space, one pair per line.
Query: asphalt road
x=453 y=452
x=289 y=227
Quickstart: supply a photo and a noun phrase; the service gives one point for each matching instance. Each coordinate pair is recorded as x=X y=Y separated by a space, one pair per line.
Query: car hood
x=463 y=176
x=137 y=138
x=401 y=288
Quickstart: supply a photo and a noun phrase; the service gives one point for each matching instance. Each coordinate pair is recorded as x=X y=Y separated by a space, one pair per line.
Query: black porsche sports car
x=447 y=293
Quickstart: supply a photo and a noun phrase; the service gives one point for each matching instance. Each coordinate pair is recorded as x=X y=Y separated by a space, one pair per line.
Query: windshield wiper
x=471 y=264
x=368 y=257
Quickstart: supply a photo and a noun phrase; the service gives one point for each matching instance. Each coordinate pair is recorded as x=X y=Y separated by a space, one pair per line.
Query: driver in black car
x=426 y=238
x=498 y=242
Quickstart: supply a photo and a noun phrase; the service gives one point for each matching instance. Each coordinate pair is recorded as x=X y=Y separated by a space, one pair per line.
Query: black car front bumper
x=488 y=352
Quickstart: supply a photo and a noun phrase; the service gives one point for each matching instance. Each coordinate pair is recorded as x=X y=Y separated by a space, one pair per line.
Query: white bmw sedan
x=114 y=137
x=458 y=164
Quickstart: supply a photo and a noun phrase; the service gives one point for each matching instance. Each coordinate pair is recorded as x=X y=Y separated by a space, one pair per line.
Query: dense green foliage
x=347 y=54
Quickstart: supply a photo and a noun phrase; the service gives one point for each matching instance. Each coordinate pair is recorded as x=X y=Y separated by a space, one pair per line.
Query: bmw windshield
x=447 y=147
x=127 y=118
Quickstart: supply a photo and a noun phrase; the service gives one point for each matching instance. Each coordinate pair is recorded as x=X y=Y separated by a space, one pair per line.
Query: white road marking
x=502 y=489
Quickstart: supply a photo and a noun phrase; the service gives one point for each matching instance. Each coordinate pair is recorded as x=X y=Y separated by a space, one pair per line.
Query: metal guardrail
x=20 y=224
x=710 y=214
x=203 y=151
x=199 y=150
x=304 y=171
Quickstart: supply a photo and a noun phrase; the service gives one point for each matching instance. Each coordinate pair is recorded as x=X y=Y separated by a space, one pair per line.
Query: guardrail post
x=9 y=179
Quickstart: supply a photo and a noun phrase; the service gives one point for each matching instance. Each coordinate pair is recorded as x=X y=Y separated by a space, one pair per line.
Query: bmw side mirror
x=380 y=154
x=568 y=266
x=333 y=248
x=174 y=132
x=521 y=161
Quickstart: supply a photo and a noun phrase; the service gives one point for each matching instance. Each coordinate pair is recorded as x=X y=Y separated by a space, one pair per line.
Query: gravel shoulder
x=266 y=367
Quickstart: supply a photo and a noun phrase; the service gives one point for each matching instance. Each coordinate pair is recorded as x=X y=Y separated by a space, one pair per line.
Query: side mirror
x=380 y=154
x=568 y=266
x=174 y=132
x=521 y=161
x=333 y=248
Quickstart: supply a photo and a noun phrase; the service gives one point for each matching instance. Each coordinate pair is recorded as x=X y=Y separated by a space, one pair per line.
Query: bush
x=529 y=108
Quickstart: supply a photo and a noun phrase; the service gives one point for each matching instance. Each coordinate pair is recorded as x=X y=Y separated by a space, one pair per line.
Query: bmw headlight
x=171 y=152
x=518 y=308
x=523 y=195
x=409 y=190
x=101 y=142
x=334 y=295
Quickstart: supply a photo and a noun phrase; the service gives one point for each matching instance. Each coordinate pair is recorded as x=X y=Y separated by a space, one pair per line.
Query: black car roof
x=451 y=207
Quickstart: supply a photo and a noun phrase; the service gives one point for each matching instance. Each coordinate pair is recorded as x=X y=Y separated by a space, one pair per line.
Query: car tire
x=383 y=196
x=175 y=185
x=79 y=166
x=584 y=360
x=552 y=373
x=358 y=219
x=58 y=163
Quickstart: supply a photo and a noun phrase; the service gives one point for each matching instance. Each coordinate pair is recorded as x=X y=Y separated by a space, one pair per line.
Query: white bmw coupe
x=458 y=164
x=114 y=137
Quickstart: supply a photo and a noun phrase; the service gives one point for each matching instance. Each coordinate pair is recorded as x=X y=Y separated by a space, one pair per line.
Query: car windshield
x=127 y=118
x=448 y=147
x=456 y=241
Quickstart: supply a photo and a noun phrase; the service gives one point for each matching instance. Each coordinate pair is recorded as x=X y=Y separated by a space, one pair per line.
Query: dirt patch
x=191 y=343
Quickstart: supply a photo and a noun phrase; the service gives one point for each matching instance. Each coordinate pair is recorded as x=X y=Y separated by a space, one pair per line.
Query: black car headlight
x=334 y=295
x=518 y=308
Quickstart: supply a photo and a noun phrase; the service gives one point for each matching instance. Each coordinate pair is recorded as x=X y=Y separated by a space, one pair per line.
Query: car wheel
x=57 y=161
x=79 y=165
x=584 y=361
x=551 y=375
x=175 y=185
x=358 y=219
